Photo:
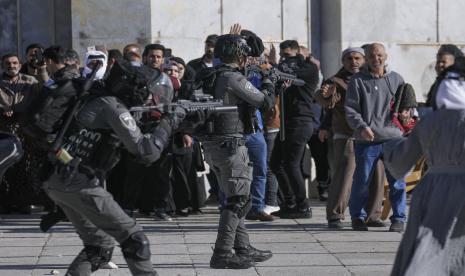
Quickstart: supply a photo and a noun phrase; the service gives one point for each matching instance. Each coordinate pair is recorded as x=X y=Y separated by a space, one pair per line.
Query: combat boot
x=50 y=219
x=253 y=253
x=222 y=259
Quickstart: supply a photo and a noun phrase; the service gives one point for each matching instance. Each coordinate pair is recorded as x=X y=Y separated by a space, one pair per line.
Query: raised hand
x=235 y=29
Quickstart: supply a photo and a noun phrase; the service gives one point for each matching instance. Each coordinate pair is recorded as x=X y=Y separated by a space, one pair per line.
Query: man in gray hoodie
x=370 y=95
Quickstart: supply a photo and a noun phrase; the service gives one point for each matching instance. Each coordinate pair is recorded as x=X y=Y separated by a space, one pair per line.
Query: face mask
x=136 y=63
x=209 y=55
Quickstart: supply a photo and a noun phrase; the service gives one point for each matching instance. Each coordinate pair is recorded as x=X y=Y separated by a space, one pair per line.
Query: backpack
x=51 y=110
x=206 y=78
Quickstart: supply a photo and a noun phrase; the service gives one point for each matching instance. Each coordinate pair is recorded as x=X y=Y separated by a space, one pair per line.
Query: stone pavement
x=183 y=247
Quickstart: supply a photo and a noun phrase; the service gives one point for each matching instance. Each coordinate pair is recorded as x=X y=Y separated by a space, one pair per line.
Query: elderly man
x=369 y=95
x=332 y=96
x=17 y=92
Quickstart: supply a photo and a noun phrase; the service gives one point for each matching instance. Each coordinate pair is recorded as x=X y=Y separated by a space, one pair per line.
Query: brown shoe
x=261 y=216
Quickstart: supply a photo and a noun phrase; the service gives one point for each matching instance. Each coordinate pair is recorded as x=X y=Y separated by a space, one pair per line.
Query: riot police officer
x=102 y=125
x=227 y=155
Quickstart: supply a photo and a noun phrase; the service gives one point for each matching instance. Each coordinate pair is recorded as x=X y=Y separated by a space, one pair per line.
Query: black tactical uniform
x=103 y=124
x=227 y=155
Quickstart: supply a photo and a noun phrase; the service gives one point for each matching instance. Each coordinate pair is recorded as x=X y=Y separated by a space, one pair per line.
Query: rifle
x=190 y=107
x=276 y=75
x=282 y=77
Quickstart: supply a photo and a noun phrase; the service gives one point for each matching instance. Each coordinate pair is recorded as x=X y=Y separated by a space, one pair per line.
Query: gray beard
x=12 y=74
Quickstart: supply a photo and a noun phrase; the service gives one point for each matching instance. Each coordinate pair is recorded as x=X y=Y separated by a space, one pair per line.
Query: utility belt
x=68 y=171
x=232 y=144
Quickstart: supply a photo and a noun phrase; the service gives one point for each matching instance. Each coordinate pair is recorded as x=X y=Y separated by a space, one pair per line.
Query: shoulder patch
x=128 y=121
x=249 y=86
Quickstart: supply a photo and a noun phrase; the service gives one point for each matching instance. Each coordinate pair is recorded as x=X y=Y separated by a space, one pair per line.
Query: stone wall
x=8 y=26
x=411 y=30
x=182 y=25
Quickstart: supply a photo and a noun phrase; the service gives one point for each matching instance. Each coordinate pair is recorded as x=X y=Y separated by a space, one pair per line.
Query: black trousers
x=188 y=189
x=286 y=161
x=147 y=187
x=319 y=151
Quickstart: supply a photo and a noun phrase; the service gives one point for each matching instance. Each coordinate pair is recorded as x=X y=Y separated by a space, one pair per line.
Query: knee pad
x=136 y=247
x=96 y=255
x=240 y=205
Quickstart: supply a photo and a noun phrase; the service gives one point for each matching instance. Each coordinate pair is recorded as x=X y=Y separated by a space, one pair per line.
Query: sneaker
x=228 y=260
x=270 y=209
x=335 y=224
x=182 y=212
x=375 y=223
x=397 y=226
x=195 y=212
x=302 y=213
x=359 y=225
x=161 y=215
x=253 y=253
x=261 y=216
x=285 y=212
x=294 y=212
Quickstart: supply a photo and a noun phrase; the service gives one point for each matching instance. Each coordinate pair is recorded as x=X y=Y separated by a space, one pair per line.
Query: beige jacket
x=18 y=96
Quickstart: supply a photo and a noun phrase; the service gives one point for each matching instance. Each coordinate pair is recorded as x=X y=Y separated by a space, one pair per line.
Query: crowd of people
x=257 y=156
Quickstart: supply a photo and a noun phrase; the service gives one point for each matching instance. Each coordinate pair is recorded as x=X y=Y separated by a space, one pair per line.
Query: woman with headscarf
x=434 y=241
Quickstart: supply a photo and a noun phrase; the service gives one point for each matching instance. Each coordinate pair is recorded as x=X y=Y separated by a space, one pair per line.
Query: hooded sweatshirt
x=368 y=104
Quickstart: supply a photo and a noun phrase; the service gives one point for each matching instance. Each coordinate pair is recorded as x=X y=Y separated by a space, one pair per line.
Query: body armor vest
x=97 y=149
x=225 y=122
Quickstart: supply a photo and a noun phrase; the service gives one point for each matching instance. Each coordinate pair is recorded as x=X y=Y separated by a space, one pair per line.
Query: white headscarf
x=95 y=55
x=451 y=92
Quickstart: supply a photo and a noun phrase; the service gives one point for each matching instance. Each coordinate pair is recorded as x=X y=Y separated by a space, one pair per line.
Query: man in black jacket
x=207 y=59
x=298 y=116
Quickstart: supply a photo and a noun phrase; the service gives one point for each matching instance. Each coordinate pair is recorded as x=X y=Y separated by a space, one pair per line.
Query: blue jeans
x=366 y=157
x=256 y=146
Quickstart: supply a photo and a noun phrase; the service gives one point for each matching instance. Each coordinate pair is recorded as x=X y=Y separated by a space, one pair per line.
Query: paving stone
x=369 y=270
x=366 y=258
x=184 y=247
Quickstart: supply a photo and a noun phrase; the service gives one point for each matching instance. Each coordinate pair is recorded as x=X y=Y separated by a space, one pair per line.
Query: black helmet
x=131 y=84
x=231 y=47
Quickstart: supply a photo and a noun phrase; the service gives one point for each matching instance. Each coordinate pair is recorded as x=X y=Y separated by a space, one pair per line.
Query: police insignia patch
x=249 y=86
x=128 y=121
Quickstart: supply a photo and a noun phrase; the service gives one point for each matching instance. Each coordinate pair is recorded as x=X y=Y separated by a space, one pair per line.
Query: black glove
x=200 y=116
x=175 y=117
x=268 y=102
x=195 y=119
x=268 y=86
